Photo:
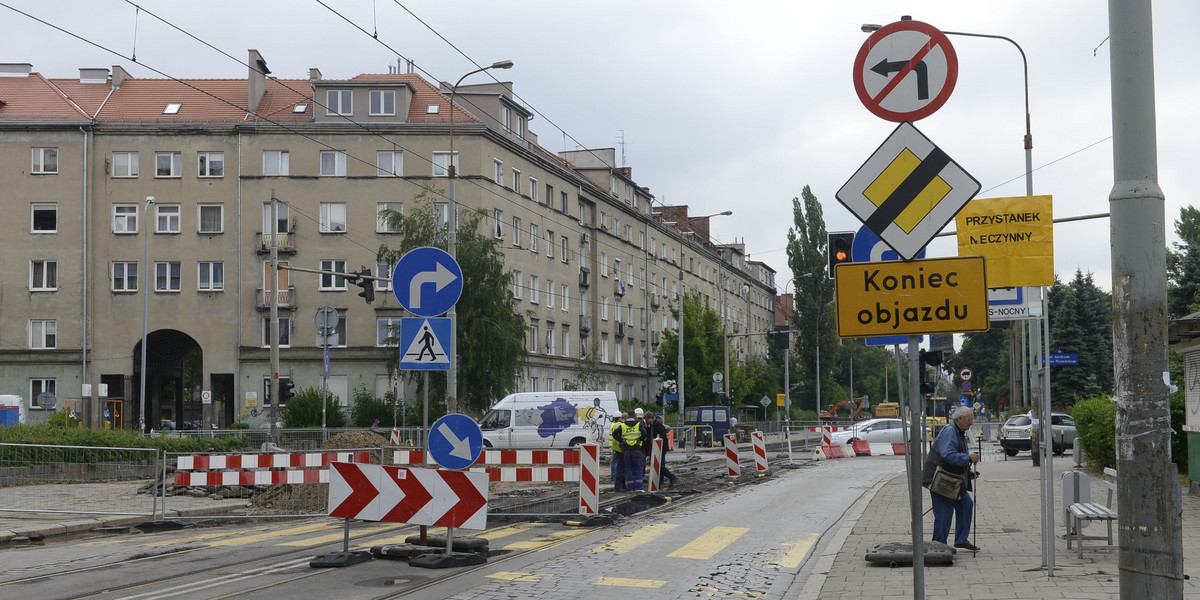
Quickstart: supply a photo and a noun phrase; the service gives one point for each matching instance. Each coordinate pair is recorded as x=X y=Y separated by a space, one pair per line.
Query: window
x=441 y=164
x=39 y=386
x=629 y=233
x=550 y=335
x=43 y=275
x=339 y=102
x=166 y=218
x=562 y=202
x=211 y=277
x=603 y=308
x=383 y=102
x=549 y=194
x=124 y=277
x=549 y=293
x=43 y=334
x=333 y=163
x=517 y=285
x=45 y=161
x=385 y=271
x=642 y=278
x=564 y=251
x=339 y=332
x=533 y=189
x=617 y=268
x=441 y=214
x=534 y=287
x=125 y=218
x=387 y=331
x=168 y=164
x=44 y=218
x=533 y=237
x=333 y=282
x=433 y=109
x=549 y=243
x=285 y=333
x=516 y=227
x=384 y=212
x=506 y=117
x=516 y=175
x=389 y=163
x=275 y=163
x=172 y=108
x=211 y=218
x=618 y=348
x=281 y=218
x=498 y=222
x=166 y=277
x=211 y=164
x=300 y=108
x=124 y=164
x=533 y=344
x=499 y=171
x=333 y=217
x=641 y=239
x=604 y=347
x=566 y=296
x=566 y=342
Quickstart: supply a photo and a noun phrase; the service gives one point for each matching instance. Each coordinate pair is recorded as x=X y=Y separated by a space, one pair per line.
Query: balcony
x=585 y=324
x=286 y=298
x=620 y=330
x=286 y=243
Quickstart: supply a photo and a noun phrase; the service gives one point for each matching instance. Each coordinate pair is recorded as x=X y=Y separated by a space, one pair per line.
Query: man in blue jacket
x=950 y=450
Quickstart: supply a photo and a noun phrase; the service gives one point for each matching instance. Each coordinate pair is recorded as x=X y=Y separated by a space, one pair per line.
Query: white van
x=549 y=420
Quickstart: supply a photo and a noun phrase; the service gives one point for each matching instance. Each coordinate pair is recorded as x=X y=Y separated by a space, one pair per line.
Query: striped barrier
x=589 y=482
x=731 y=455
x=829 y=427
x=827 y=436
x=860 y=448
x=656 y=448
x=760 y=451
x=261 y=469
x=394 y=438
x=498 y=457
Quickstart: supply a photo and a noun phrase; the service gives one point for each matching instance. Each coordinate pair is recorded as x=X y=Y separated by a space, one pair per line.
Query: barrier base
x=463 y=543
x=447 y=561
x=339 y=559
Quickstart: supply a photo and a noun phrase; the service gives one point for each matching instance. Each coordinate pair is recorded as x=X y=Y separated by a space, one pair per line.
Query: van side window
x=497 y=419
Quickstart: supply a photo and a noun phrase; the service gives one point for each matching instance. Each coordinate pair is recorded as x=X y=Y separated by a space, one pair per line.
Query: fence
x=105 y=479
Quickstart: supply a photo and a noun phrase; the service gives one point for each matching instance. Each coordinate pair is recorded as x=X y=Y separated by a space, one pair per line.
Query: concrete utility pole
x=1150 y=525
x=273 y=434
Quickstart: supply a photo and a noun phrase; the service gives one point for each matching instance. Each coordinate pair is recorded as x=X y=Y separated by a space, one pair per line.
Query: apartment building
x=595 y=261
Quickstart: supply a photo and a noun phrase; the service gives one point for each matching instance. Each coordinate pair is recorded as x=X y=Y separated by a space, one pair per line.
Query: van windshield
x=496 y=419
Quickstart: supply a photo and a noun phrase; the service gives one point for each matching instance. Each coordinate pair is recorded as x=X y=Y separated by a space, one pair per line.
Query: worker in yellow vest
x=617 y=465
x=631 y=435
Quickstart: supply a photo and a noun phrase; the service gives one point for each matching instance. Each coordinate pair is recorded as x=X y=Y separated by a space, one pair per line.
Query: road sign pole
x=916 y=426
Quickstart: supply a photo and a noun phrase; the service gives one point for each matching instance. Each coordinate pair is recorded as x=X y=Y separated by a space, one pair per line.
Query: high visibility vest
x=632 y=434
x=612 y=437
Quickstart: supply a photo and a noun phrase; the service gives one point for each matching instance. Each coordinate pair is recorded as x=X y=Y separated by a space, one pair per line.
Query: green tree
x=812 y=318
x=304 y=410
x=490 y=344
x=1183 y=264
x=703 y=354
x=1081 y=323
x=986 y=353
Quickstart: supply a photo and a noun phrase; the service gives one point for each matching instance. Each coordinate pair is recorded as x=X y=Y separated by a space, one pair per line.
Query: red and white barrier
x=252 y=469
x=655 y=463
x=394 y=438
x=831 y=428
x=760 y=451
x=530 y=474
x=731 y=455
x=499 y=457
x=827 y=436
x=589 y=481
x=403 y=495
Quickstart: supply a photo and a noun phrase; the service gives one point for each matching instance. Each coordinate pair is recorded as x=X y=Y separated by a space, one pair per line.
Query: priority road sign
x=427 y=281
x=427 y=344
x=455 y=441
x=907 y=191
x=938 y=295
x=905 y=71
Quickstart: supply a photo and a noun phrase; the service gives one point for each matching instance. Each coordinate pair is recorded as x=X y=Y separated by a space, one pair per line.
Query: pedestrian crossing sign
x=426 y=344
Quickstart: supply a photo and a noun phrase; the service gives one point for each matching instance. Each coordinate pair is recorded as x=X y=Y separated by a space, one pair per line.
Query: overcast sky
x=719 y=106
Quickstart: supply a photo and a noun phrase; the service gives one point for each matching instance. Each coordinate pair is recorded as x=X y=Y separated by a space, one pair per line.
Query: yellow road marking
x=250 y=539
x=341 y=535
x=708 y=545
x=507 y=530
x=511 y=576
x=798 y=550
x=200 y=537
x=636 y=538
x=549 y=538
x=637 y=583
x=400 y=538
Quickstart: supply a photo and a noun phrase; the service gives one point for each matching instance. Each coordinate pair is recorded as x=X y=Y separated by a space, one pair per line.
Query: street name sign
x=907 y=191
x=1013 y=304
x=1015 y=235
x=938 y=295
x=427 y=281
x=905 y=71
x=433 y=497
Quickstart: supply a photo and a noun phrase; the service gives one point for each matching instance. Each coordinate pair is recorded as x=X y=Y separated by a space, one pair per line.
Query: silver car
x=1015 y=433
x=872 y=430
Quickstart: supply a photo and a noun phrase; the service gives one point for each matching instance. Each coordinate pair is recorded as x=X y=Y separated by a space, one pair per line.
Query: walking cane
x=975 y=503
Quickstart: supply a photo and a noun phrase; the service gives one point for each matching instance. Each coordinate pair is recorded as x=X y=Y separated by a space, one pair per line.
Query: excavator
x=862 y=409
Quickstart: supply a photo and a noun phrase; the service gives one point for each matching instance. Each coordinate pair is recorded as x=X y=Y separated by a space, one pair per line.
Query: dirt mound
x=312 y=498
x=355 y=440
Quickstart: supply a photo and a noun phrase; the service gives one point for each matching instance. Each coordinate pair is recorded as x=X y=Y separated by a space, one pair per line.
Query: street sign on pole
x=938 y=295
x=426 y=344
x=869 y=248
x=326 y=320
x=455 y=441
x=436 y=497
x=427 y=281
x=905 y=71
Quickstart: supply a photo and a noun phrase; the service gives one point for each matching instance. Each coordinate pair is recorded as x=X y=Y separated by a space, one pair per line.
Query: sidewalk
x=1008 y=531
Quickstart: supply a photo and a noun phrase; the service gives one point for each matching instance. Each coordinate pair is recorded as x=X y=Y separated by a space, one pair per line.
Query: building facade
x=596 y=260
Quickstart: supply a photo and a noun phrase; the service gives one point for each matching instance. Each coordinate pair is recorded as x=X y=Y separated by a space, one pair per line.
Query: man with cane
x=951 y=453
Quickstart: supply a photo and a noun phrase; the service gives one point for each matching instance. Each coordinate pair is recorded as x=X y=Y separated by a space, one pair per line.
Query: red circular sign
x=905 y=71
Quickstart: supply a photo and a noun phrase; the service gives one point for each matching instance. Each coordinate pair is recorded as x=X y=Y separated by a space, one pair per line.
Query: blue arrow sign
x=427 y=281
x=869 y=248
x=425 y=344
x=455 y=441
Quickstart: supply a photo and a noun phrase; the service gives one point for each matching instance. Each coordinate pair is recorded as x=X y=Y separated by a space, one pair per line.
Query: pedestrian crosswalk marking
x=708 y=545
x=798 y=550
x=546 y=539
x=636 y=538
x=624 y=582
x=250 y=539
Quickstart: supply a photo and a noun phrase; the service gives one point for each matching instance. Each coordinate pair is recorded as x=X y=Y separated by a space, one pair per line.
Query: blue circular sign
x=455 y=441
x=427 y=281
x=869 y=248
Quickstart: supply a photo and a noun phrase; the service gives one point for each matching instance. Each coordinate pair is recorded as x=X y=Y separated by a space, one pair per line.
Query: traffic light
x=783 y=337
x=839 y=249
x=362 y=279
x=285 y=390
x=932 y=358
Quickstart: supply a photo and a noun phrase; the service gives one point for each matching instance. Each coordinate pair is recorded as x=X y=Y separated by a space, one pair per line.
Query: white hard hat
x=637 y=412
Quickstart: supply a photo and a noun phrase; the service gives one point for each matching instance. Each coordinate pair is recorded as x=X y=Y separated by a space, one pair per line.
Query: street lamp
x=452 y=221
x=146 y=278
x=679 y=323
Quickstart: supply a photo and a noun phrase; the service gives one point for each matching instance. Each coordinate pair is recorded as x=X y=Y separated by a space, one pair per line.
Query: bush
x=1179 y=439
x=50 y=435
x=304 y=410
x=368 y=407
x=1094 y=420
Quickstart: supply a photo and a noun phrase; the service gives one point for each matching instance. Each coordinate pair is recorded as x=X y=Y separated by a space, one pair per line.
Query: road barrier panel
x=656 y=449
x=731 y=455
x=589 y=482
x=760 y=451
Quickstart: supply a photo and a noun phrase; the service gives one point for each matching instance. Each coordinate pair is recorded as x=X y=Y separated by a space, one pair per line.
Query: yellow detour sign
x=1015 y=235
x=937 y=295
x=780 y=399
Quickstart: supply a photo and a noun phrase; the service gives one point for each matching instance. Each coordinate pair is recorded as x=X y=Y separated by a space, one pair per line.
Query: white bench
x=1090 y=511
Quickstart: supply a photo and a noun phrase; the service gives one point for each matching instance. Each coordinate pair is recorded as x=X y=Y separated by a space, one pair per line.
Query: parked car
x=1015 y=433
x=871 y=430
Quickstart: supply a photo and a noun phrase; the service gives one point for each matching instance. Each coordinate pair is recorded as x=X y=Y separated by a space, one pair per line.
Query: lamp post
x=145 y=314
x=452 y=222
x=679 y=323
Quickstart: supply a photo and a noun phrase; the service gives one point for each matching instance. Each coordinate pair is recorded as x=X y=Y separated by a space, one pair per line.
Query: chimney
x=256 y=80
x=93 y=75
x=119 y=75
x=15 y=69
x=314 y=75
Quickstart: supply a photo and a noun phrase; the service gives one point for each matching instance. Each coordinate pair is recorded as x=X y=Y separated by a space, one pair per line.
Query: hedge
x=1095 y=420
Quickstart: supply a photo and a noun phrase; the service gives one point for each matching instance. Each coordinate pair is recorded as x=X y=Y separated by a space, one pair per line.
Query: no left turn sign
x=905 y=71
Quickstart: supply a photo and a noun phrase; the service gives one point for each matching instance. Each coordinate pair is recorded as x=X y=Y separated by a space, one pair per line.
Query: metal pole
x=274 y=325
x=725 y=325
x=1048 y=436
x=914 y=454
x=679 y=334
x=147 y=278
x=1150 y=524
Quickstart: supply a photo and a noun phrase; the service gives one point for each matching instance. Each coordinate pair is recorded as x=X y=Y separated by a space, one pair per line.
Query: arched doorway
x=174 y=379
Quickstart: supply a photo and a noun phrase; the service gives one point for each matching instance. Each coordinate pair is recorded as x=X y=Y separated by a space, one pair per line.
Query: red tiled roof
x=281 y=96
x=33 y=98
x=88 y=96
x=203 y=100
x=424 y=94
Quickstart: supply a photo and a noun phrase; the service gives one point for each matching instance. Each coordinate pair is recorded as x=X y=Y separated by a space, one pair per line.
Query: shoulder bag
x=948 y=484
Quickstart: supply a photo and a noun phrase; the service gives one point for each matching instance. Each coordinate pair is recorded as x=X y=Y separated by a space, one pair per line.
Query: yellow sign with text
x=1015 y=235
x=780 y=399
x=937 y=295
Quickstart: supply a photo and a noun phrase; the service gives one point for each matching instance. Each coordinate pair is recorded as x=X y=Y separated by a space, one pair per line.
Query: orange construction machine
x=861 y=408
